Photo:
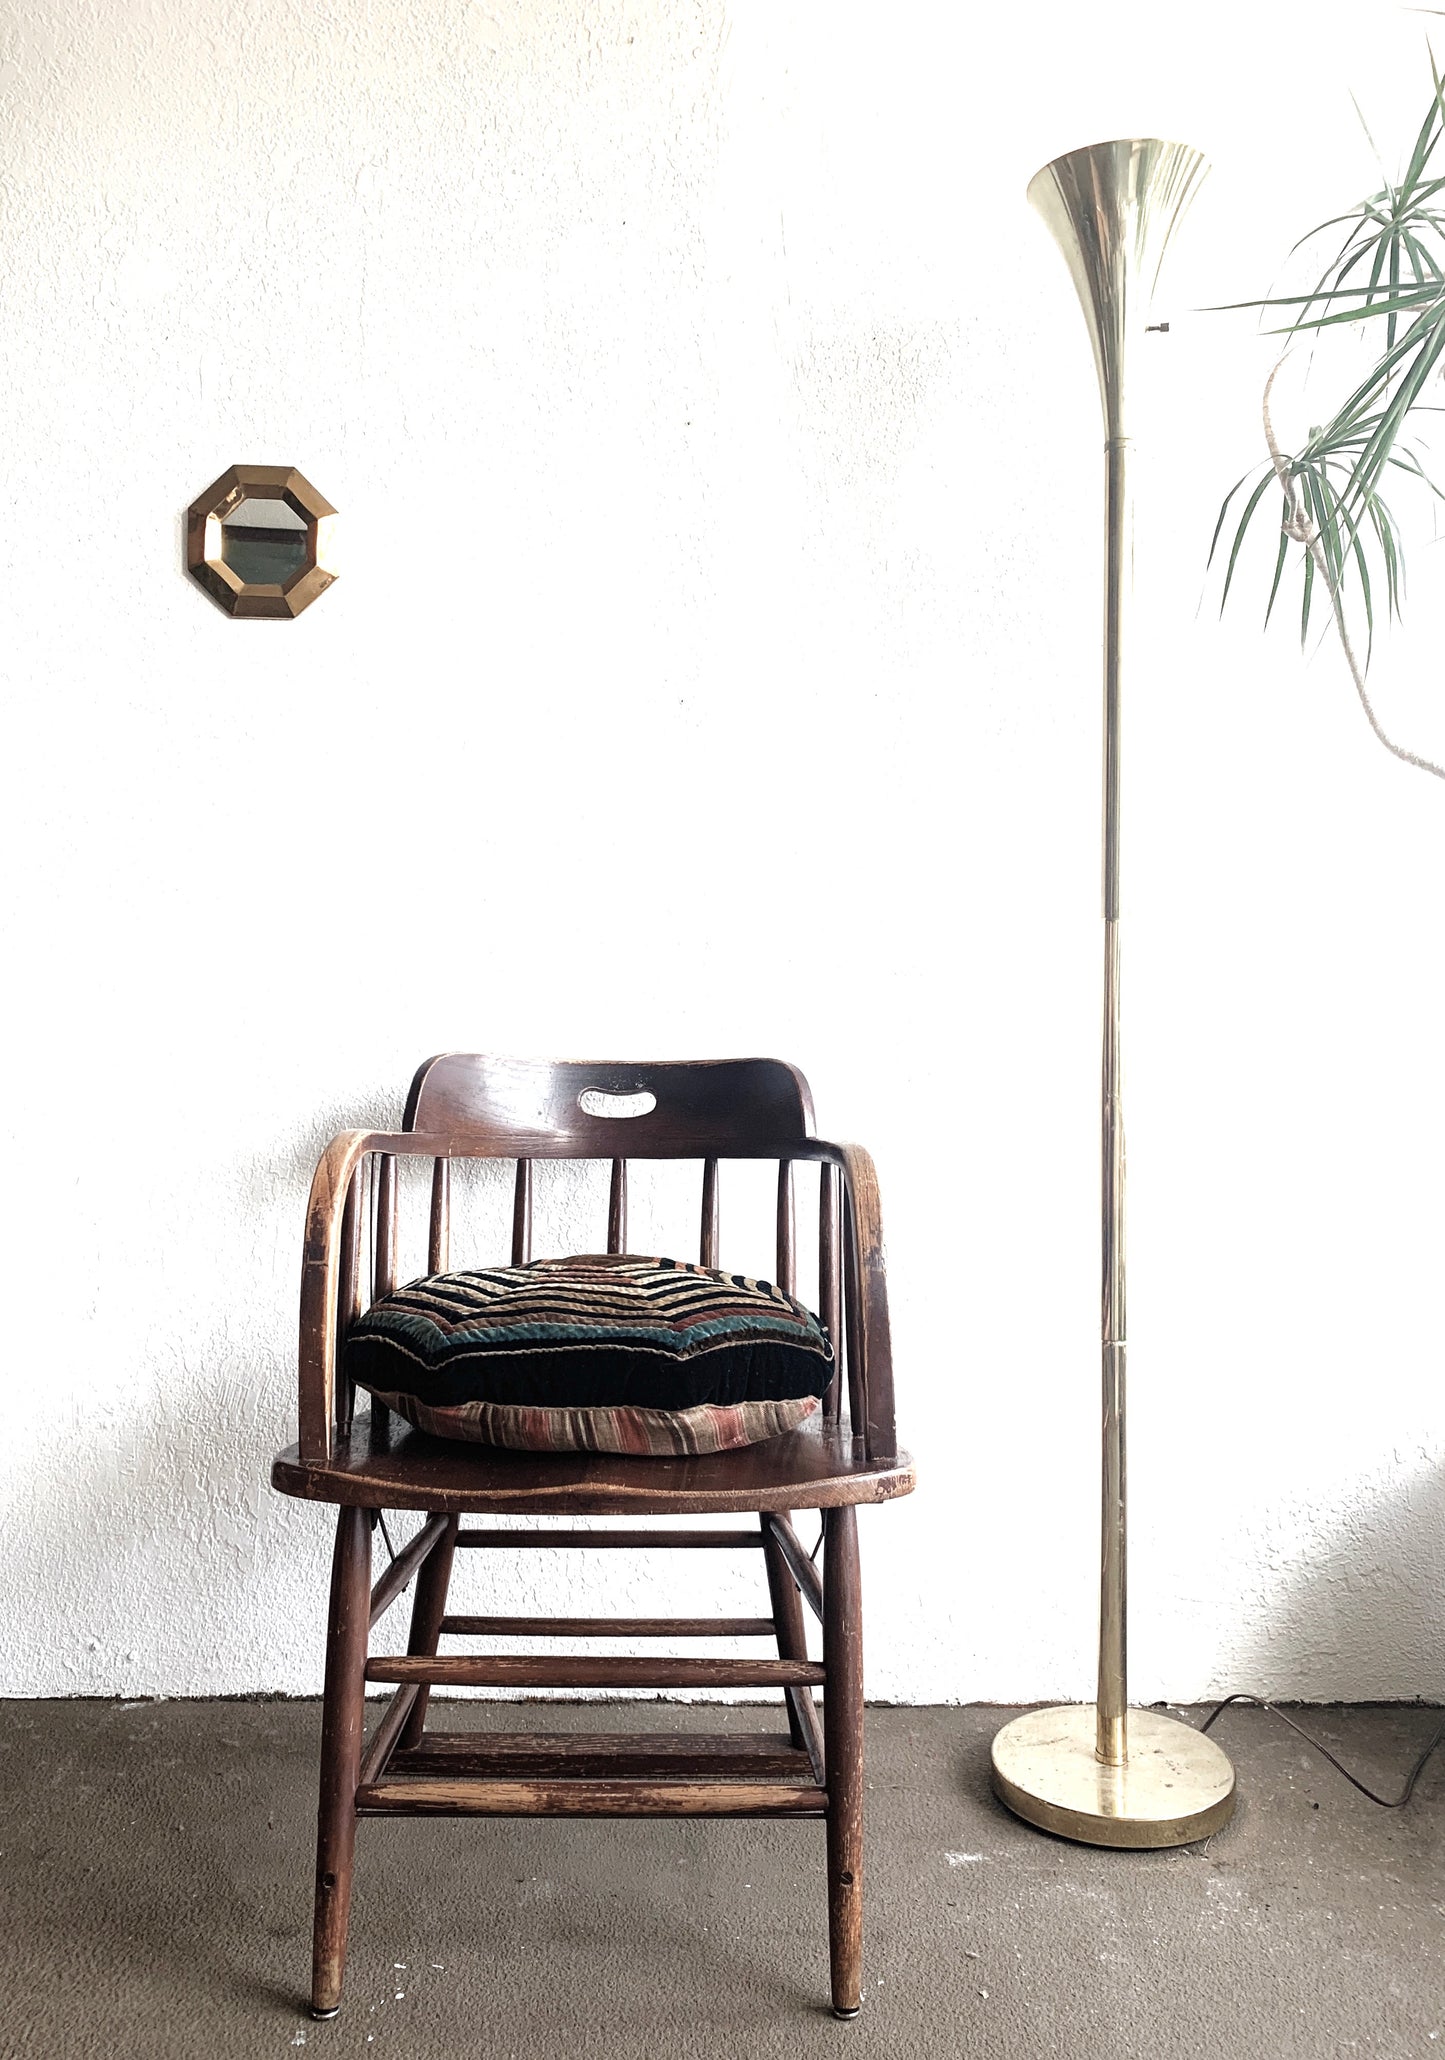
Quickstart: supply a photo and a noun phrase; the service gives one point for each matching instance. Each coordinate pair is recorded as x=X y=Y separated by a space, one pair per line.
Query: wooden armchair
x=464 y=1106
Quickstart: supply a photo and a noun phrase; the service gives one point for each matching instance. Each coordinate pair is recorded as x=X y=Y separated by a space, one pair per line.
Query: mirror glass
x=263 y=542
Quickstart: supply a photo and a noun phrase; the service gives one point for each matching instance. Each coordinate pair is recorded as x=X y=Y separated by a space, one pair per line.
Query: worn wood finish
x=792 y=1640
x=830 y=1274
x=617 y=1208
x=605 y=1756
x=614 y=1540
x=863 y=1243
x=708 y=1239
x=319 y=1284
x=341 y=1725
x=589 y=1670
x=786 y=1262
x=439 y=1798
x=439 y=1235
x=780 y=1533
x=843 y=1754
x=522 y=1214
x=610 y=1627
x=809 y=1468
x=427 y=1610
x=381 y=1745
x=399 y=1574
x=465 y=1106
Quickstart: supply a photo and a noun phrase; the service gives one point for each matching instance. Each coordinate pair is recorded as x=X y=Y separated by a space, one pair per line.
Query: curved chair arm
x=869 y=1335
x=321 y=1271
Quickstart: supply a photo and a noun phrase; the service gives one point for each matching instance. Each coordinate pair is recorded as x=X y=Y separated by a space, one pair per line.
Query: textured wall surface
x=717 y=456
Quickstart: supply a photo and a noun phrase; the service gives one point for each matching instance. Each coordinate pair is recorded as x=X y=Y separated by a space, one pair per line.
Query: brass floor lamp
x=1108 y=1774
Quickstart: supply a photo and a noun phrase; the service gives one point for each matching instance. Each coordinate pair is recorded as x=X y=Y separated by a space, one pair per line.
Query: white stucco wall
x=717 y=455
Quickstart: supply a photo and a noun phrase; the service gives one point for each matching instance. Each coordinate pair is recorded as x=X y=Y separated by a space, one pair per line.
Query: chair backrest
x=575 y=1108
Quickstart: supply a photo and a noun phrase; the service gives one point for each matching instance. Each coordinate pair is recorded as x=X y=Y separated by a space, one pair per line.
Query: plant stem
x=1297 y=525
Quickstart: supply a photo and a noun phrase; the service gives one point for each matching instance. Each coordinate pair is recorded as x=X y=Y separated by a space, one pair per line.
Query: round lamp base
x=1176 y=1785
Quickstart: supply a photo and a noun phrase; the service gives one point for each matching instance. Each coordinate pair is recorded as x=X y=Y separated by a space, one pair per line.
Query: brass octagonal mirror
x=260 y=540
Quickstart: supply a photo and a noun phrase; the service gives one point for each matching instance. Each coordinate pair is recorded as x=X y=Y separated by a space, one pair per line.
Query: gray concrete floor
x=155 y=1864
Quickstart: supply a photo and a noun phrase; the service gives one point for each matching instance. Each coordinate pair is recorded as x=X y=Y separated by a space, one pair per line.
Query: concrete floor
x=155 y=1864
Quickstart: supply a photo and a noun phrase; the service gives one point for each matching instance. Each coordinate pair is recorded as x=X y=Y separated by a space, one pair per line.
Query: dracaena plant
x=1385 y=284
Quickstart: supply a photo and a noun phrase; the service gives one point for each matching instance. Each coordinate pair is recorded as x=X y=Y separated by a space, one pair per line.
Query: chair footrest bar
x=461 y=1798
x=593 y=1541
x=608 y=1627
x=755 y=1756
x=588 y=1670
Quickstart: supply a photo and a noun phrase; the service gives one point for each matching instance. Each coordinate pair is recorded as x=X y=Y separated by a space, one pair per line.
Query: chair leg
x=788 y=1616
x=427 y=1610
x=341 y=1726
x=843 y=1744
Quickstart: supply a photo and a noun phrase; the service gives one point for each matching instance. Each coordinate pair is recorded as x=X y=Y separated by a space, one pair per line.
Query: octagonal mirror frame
x=205 y=543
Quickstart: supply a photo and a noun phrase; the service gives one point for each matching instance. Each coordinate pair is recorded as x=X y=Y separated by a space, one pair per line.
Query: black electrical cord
x=1386 y=1802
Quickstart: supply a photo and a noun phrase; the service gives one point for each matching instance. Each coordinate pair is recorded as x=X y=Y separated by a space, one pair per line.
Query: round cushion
x=596 y=1353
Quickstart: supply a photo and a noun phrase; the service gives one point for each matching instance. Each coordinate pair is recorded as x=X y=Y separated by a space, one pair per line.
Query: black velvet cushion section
x=590 y=1333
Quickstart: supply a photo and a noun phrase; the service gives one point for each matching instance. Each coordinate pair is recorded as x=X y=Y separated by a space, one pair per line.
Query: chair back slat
x=857 y=1343
x=348 y=1289
x=383 y=1262
x=383 y=1271
x=787 y=1271
x=830 y=1291
x=617 y=1208
x=522 y=1214
x=439 y=1241
x=707 y=1242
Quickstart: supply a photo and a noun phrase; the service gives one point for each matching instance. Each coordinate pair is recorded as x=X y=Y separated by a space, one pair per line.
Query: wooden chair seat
x=818 y=1466
x=464 y=1106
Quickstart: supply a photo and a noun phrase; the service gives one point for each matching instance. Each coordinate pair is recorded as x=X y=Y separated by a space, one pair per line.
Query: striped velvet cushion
x=594 y=1354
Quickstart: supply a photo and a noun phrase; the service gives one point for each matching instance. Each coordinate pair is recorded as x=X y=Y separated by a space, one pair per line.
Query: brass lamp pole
x=1109 y=1775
